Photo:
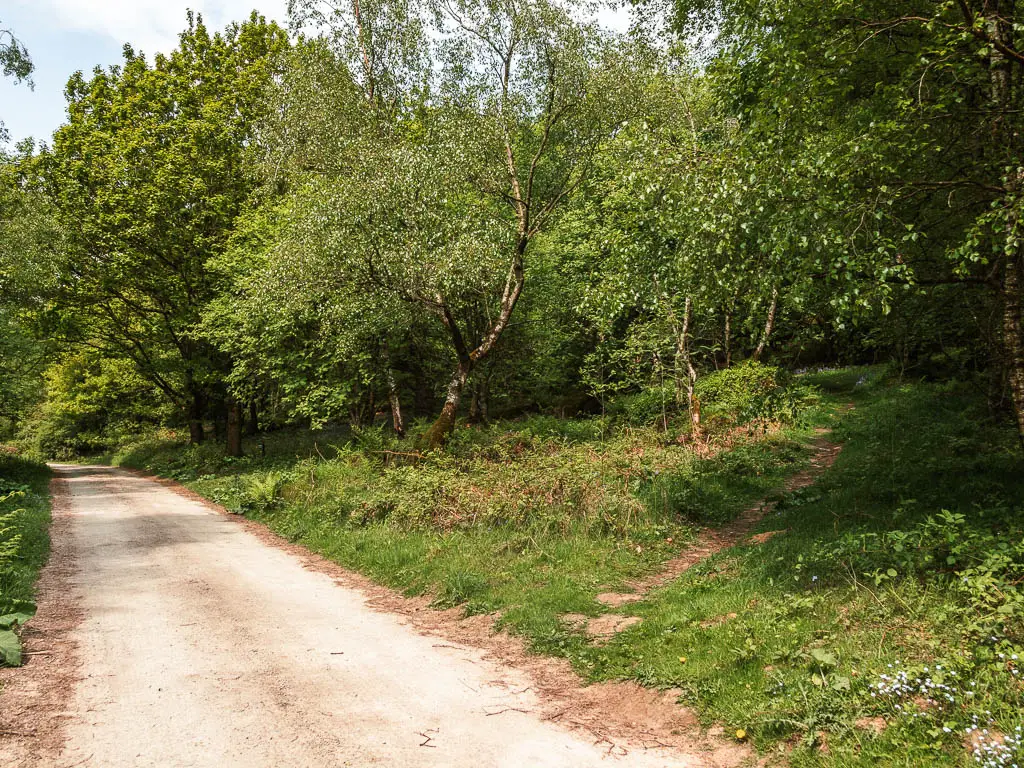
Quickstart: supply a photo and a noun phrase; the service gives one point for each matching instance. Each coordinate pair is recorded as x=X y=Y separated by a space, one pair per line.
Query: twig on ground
x=427 y=740
x=555 y=716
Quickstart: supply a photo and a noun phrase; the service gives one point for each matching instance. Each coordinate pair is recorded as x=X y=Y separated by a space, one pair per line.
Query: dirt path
x=198 y=642
x=714 y=540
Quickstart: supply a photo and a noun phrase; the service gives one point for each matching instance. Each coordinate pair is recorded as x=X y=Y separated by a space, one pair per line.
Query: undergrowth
x=532 y=518
x=24 y=544
x=884 y=623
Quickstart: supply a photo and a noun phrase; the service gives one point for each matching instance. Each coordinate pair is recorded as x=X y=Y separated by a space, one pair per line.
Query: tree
x=28 y=231
x=687 y=270
x=446 y=173
x=899 y=122
x=150 y=174
x=14 y=62
x=14 y=59
x=323 y=346
x=22 y=219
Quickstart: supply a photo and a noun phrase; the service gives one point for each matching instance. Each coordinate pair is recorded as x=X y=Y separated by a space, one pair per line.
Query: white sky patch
x=150 y=25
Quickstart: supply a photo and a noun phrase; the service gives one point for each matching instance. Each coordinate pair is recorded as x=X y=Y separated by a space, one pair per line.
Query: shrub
x=92 y=404
x=645 y=408
x=980 y=560
x=260 y=492
x=24 y=515
x=752 y=392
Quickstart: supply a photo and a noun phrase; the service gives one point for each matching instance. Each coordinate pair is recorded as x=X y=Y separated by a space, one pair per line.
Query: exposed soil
x=211 y=641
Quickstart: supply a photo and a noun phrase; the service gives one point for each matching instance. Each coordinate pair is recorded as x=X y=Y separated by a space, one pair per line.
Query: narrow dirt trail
x=711 y=541
x=199 y=644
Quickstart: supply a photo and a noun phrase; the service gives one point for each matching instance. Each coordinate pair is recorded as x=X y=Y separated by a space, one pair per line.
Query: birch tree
x=448 y=166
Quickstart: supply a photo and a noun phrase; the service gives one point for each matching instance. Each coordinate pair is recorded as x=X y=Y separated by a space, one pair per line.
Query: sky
x=64 y=36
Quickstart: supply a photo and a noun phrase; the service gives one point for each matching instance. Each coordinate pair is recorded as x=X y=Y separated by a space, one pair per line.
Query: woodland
x=493 y=302
x=424 y=211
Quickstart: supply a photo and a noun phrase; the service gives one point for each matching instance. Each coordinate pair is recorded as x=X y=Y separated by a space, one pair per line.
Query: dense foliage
x=24 y=518
x=433 y=210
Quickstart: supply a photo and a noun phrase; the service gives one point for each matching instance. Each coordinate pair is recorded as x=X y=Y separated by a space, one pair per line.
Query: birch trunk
x=683 y=354
x=769 y=324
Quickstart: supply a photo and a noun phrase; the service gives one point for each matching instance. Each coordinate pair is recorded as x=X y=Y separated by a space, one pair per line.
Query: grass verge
x=886 y=624
x=529 y=519
x=24 y=545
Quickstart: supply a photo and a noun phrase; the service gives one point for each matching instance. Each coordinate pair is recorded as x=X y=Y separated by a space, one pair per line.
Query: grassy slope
x=819 y=616
x=24 y=522
x=812 y=632
x=560 y=517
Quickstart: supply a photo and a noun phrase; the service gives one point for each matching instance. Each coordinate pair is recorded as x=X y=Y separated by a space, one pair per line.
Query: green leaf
x=840 y=683
x=824 y=658
x=10 y=649
x=10 y=620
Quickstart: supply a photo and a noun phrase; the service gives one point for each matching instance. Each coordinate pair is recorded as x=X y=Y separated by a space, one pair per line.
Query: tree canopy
x=406 y=204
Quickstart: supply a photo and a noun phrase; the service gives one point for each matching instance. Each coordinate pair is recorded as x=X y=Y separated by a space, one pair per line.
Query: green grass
x=531 y=518
x=907 y=552
x=24 y=541
x=823 y=610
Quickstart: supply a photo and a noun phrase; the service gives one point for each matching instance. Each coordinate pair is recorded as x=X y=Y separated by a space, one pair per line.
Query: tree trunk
x=252 y=424
x=439 y=431
x=219 y=409
x=196 y=406
x=768 y=326
x=396 y=404
x=195 y=427
x=1013 y=336
x=468 y=359
x=393 y=396
x=727 y=334
x=234 y=427
x=1002 y=14
x=478 y=407
x=683 y=354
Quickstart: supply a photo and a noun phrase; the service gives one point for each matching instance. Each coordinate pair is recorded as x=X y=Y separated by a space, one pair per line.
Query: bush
x=752 y=392
x=643 y=409
x=92 y=404
x=979 y=560
x=261 y=492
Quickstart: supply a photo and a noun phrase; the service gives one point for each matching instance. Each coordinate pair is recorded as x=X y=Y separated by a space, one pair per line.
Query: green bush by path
x=24 y=545
x=752 y=392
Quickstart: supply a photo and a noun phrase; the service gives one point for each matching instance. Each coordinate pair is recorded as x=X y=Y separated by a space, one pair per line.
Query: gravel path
x=201 y=645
